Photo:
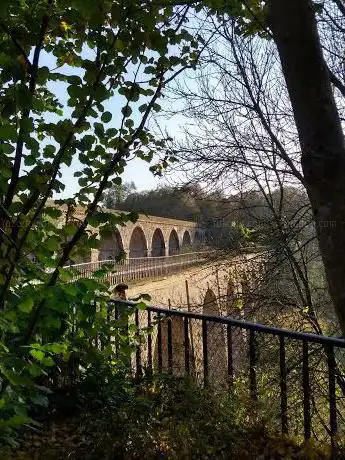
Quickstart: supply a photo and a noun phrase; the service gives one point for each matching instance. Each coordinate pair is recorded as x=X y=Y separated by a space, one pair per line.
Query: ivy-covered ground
x=162 y=419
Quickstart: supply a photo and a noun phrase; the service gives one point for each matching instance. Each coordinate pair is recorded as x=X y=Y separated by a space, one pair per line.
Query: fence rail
x=141 y=267
x=298 y=378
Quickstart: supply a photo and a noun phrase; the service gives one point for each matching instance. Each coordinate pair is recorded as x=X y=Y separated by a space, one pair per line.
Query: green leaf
x=89 y=283
x=56 y=347
x=126 y=111
x=142 y=108
x=37 y=354
x=146 y=297
x=55 y=213
x=75 y=91
x=86 y=142
x=141 y=306
x=129 y=123
x=40 y=400
x=8 y=132
x=100 y=273
x=14 y=421
x=48 y=362
x=119 y=45
x=26 y=305
x=35 y=370
x=106 y=117
x=52 y=243
x=132 y=216
x=49 y=151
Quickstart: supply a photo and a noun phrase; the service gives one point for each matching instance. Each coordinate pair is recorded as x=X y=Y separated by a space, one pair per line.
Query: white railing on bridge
x=141 y=267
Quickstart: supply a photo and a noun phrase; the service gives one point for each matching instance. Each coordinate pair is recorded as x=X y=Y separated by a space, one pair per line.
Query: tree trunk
x=293 y=24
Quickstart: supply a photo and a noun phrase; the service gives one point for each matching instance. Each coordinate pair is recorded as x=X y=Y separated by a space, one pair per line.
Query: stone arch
x=210 y=306
x=245 y=293
x=216 y=343
x=197 y=237
x=158 y=243
x=231 y=299
x=174 y=245
x=137 y=243
x=110 y=247
x=186 y=240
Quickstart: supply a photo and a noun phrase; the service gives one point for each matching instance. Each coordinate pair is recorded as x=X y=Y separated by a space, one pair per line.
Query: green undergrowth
x=160 y=418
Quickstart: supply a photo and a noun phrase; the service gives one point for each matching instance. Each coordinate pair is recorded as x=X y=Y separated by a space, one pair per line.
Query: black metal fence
x=296 y=380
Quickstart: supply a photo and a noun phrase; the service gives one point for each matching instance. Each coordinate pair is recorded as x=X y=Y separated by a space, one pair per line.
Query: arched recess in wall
x=174 y=245
x=197 y=237
x=110 y=246
x=234 y=306
x=158 y=244
x=186 y=240
x=137 y=244
x=246 y=295
x=177 y=348
x=210 y=306
x=216 y=343
x=231 y=299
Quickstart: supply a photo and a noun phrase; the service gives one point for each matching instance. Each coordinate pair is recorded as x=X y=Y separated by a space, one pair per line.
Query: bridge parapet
x=142 y=267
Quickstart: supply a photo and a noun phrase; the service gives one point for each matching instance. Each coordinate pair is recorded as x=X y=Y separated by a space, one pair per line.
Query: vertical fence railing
x=306 y=390
x=283 y=386
x=229 y=354
x=332 y=392
x=299 y=377
x=140 y=267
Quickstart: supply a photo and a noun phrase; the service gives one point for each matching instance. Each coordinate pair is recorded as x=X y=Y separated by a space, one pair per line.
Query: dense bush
x=159 y=418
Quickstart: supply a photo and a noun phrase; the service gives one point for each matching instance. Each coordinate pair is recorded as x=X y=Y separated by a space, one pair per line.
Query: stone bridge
x=149 y=236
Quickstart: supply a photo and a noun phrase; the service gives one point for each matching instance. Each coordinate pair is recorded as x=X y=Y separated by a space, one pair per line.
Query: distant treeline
x=228 y=219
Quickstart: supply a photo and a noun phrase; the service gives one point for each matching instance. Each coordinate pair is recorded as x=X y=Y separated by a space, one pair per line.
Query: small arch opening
x=186 y=240
x=174 y=245
x=197 y=237
x=158 y=244
x=137 y=244
x=110 y=247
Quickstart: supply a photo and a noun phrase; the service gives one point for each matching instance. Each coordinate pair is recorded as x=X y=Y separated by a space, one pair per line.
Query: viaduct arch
x=149 y=236
x=158 y=244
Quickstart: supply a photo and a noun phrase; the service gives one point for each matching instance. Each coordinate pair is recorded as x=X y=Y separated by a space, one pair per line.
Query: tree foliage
x=79 y=81
x=242 y=134
x=117 y=194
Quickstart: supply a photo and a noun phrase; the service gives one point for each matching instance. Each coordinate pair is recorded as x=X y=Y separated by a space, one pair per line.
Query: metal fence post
x=306 y=390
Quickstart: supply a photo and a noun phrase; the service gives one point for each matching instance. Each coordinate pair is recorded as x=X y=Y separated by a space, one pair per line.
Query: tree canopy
x=79 y=81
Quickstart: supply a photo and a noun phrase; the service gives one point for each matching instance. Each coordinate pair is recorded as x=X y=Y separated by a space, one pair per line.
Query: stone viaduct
x=225 y=287
x=149 y=236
